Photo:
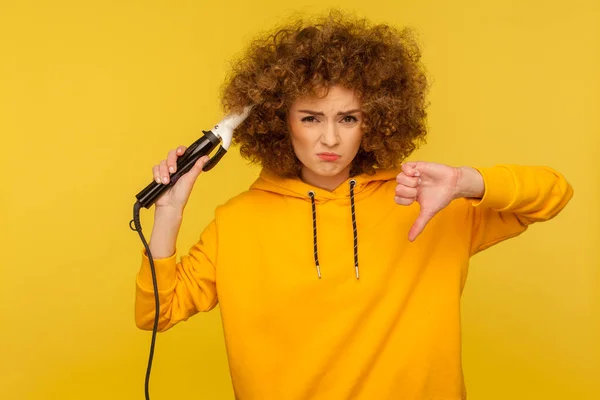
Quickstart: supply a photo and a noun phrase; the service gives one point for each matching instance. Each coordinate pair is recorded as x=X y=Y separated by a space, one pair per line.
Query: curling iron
x=222 y=133
x=201 y=147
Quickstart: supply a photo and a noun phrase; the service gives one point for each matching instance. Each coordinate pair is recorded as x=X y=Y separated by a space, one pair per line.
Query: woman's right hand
x=176 y=197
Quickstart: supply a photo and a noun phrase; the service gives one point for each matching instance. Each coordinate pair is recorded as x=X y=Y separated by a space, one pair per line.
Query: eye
x=350 y=119
x=309 y=119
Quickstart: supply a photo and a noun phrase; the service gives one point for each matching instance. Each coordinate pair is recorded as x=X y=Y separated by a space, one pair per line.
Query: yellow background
x=93 y=93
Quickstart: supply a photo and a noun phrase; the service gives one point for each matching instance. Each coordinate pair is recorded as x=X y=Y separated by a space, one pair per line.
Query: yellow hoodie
x=392 y=334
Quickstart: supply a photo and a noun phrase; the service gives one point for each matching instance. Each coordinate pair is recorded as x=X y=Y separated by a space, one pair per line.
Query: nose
x=329 y=135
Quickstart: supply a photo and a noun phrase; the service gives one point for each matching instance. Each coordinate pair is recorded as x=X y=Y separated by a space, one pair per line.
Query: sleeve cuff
x=500 y=189
x=165 y=268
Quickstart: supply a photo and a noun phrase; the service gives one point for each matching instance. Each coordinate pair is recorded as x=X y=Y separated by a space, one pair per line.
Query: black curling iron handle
x=185 y=162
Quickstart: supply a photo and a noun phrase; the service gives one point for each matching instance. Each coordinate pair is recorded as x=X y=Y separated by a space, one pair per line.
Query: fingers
x=161 y=172
x=410 y=169
x=172 y=158
x=405 y=195
x=404 y=201
x=156 y=174
x=407 y=189
x=180 y=150
x=410 y=181
x=172 y=161
x=406 y=192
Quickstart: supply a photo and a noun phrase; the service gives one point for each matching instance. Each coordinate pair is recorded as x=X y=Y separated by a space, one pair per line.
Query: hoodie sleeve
x=185 y=287
x=514 y=198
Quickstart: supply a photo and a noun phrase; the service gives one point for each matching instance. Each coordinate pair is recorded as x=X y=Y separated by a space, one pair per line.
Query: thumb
x=196 y=170
x=198 y=166
x=419 y=224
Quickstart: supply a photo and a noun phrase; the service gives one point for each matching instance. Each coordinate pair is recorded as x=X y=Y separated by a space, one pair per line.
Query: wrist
x=170 y=213
x=167 y=221
x=469 y=183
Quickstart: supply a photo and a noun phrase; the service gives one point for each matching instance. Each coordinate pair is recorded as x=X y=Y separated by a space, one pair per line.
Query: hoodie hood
x=294 y=187
x=354 y=189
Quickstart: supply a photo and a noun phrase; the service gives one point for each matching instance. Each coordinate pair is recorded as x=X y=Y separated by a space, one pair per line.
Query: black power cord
x=138 y=229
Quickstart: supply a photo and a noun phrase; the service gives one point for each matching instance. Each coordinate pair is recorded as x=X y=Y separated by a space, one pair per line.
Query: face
x=326 y=134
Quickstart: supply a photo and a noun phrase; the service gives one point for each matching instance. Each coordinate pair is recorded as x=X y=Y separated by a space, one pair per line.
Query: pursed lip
x=327 y=156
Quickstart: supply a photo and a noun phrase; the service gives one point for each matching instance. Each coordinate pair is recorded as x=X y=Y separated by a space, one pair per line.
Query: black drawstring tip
x=357 y=276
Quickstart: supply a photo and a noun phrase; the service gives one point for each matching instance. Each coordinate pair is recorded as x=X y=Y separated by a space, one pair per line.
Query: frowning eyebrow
x=323 y=114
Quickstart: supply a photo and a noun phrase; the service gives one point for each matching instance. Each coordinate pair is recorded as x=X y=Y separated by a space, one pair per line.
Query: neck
x=329 y=183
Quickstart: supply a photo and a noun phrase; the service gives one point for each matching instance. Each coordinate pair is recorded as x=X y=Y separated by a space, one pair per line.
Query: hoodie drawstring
x=311 y=194
x=352 y=184
x=314 y=219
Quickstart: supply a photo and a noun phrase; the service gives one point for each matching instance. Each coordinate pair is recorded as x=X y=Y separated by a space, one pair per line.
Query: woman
x=339 y=271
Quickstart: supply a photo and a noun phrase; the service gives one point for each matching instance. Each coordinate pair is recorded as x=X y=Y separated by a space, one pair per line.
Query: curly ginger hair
x=380 y=63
